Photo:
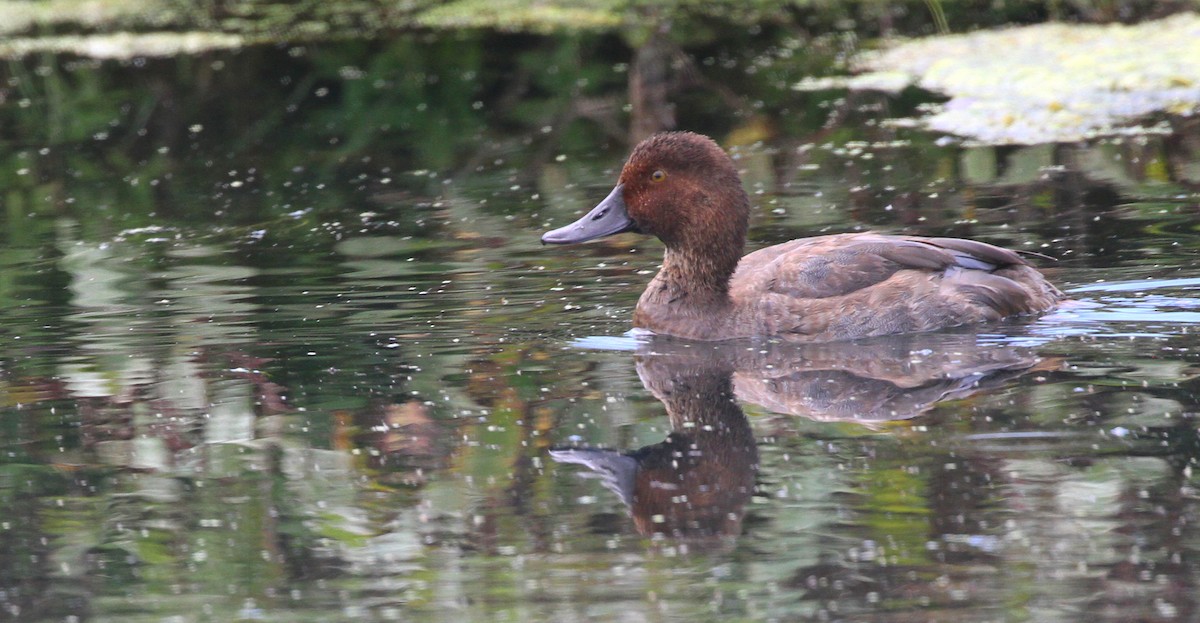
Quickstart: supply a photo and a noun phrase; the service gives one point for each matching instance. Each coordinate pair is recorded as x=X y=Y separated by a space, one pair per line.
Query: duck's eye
x=658 y=176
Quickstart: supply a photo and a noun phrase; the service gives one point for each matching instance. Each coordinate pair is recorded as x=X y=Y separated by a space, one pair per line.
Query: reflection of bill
x=695 y=484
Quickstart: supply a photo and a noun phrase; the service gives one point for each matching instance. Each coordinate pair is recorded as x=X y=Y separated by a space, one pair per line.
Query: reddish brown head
x=678 y=186
x=684 y=189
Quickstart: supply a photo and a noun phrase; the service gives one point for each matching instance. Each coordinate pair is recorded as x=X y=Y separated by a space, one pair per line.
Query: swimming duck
x=684 y=189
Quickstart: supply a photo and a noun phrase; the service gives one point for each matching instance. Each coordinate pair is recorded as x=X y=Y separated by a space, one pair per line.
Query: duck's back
x=858 y=285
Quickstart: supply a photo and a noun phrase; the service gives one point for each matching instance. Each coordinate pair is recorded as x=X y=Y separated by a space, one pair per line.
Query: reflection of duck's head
x=683 y=189
x=695 y=484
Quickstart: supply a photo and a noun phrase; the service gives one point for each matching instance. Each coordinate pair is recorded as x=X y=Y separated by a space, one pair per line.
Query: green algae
x=123 y=45
x=17 y=16
x=1046 y=83
x=28 y=24
x=518 y=16
x=127 y=28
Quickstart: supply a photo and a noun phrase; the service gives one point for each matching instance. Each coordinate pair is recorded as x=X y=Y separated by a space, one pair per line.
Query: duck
x=683 y=189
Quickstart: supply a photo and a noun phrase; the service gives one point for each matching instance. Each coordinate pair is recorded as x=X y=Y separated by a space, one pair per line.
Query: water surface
x=280 y=344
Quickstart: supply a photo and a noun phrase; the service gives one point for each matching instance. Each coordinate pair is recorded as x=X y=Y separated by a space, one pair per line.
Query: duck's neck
x=693 y=279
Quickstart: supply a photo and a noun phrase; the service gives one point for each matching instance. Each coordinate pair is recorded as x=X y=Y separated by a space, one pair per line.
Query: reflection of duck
x=696 y=483
x=875 y=380
x=683 y=189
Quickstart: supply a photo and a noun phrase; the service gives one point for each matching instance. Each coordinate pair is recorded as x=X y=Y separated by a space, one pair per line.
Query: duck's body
x=851 y=286
x=682 y=188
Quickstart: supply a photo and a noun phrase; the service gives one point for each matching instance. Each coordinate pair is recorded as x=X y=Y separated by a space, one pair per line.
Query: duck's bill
x=606 y=219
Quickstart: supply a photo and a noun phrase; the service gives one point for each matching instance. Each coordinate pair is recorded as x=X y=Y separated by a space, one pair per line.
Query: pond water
x=279 y=343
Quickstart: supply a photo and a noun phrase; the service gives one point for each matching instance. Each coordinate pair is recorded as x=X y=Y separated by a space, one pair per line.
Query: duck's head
x=678 y=186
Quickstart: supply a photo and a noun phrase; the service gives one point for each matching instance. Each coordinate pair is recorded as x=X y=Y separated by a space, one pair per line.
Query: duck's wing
x=972 y=253
x=829 y=266
x=860 y=285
